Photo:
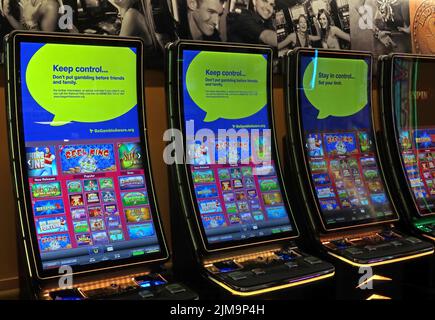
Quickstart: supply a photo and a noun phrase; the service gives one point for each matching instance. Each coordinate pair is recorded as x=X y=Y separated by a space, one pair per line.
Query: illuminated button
x=340 y=244
x=175 y=288
x=138 y=252
x=286 y=255
x=424 y=229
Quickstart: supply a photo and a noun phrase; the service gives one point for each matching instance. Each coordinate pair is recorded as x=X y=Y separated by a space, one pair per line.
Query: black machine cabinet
x=77 y=239
x=405 y=96
x=258 y=258
x=406 y=101
x=334 y=159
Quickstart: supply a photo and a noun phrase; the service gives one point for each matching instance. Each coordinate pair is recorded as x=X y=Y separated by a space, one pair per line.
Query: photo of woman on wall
x=330 y=34
x=40 y=15
x=146 y=19
x=301 y=37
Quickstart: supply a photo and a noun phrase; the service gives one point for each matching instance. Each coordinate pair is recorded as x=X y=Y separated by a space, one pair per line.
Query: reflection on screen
x=86 y=178
x=413 y=102
x=338 y=138
x=237 y=192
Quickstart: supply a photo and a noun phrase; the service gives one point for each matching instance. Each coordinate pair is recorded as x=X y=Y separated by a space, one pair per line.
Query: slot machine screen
x=413 y=100
x=334 y=104
x=90 y=202
x=235 y=182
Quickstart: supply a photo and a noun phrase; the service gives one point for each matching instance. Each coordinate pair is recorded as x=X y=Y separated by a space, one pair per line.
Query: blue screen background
x=33 y=113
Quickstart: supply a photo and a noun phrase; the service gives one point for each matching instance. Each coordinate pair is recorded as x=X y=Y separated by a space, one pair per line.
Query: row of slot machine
x=244 y=224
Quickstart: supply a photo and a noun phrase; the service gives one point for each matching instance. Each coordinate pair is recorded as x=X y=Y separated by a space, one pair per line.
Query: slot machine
x=333 y=150
x=406 y=100
x=280 y=25
x=233 y=224
x=343 y=14
x=163 y=17
x=88 y=219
